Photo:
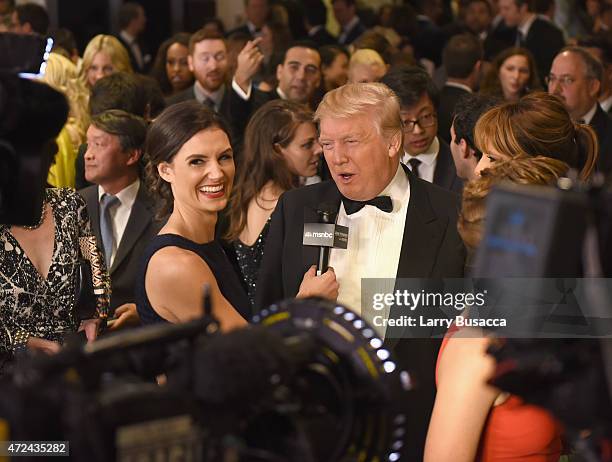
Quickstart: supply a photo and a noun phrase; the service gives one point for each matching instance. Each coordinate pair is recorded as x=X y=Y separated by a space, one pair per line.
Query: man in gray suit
x=119 y=207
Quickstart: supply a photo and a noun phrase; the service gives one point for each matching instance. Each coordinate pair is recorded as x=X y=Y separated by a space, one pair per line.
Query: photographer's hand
x=91 y=327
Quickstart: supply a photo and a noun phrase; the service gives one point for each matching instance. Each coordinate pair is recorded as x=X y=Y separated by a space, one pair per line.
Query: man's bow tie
x=382 y=202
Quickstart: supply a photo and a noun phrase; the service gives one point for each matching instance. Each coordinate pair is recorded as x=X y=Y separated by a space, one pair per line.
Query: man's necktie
x=209 y=103
x=107 y=202
x=384 y=203
x=414 y=166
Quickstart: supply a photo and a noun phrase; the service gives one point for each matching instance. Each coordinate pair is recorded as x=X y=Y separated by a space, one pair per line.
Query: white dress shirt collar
x=127 y=196
x=462 y=86
x=524 y=28
x=127 y=37
x=606 y=103
x=589 y=115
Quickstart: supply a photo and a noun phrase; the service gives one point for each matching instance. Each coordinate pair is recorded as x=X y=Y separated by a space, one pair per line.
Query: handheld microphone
x=325 y=234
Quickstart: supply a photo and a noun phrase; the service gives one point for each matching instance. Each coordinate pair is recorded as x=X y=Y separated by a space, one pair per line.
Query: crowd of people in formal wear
x=200 y=164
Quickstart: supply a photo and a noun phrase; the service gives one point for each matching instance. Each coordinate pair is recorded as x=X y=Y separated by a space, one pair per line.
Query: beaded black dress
x=32 y=305
x=248 y=258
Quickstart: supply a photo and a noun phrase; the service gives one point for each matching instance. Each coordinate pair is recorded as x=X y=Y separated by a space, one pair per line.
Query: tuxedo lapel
x=422 y=234
x=93 y=207
x=140 y=218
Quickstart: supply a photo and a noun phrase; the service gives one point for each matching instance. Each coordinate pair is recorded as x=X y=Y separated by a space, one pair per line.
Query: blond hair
x=366 y=58
x=354 y=99
x=537 y=125
x=524 y=170
x=61 y=74
x=110 y=45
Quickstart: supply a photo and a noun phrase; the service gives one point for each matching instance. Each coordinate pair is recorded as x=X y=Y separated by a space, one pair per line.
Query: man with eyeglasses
x=575 y=77
x=428 y=156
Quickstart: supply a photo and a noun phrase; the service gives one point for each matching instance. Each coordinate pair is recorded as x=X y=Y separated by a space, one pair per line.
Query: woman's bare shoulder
x=172 y=261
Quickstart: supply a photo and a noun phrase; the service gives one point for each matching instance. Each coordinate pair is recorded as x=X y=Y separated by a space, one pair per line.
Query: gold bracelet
x=20 y=340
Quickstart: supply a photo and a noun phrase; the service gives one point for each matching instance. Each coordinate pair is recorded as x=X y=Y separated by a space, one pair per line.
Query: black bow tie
x=382 y=202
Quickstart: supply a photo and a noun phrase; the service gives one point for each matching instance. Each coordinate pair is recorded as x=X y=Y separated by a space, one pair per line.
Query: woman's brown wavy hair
x=537 y=125
x=273 y=125
x=525 y=170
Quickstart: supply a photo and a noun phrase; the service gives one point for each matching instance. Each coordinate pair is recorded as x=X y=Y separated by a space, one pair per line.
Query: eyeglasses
x=425 y=121
x=564 y=80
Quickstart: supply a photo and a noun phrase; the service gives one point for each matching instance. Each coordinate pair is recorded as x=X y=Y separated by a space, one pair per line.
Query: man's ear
x=190 y=63
x=134 y=156
x=26 y=28
x=395 y=144
x=165 y=171
x=594 y=88
x=279 y=71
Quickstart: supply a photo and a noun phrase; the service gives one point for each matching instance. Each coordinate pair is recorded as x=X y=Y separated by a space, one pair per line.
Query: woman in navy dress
x=191 y=172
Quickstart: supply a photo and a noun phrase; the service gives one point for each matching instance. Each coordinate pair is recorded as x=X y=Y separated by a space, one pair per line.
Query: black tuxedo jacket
x=322 y=37
x=431 y=248
x=544 y=40
x=146 y=57
x=449 y=96
x=140 y=229
x=498 y=39
x=244 y=29
x=353 y=34
x=240 y=111
x=445 y=173
x=602 y=124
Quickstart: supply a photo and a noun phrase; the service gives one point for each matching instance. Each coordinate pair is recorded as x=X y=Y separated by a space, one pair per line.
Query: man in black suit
x=462 y=58
x=428 y=156
x=541 y=37
x=463 y=148
x=478 y=20
x=399 y=226
x=298 y=75
x=429 y=38
x=132 y=22
x=345 y=12
x=257 y=13
x=208 y=61
x=575 y=77
x=315 y=19
x=600 y=46
x=119 y=207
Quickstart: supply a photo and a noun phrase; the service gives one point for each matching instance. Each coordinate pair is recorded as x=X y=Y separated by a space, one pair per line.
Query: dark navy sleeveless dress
x=214 y=256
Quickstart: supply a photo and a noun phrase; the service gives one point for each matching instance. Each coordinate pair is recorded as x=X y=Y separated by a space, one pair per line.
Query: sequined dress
x=249 y=260
x=45 y=308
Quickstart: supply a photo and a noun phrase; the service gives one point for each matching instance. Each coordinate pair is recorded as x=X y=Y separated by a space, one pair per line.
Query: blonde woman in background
x=61 y=74
x=366 y=66
x=103 y=56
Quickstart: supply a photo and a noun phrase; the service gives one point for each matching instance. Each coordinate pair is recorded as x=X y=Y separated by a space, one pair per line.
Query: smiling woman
x=191 y=170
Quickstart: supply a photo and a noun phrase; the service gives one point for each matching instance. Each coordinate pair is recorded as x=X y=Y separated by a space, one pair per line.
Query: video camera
x=31 y=116
x=562 y=232
x=309 y=382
